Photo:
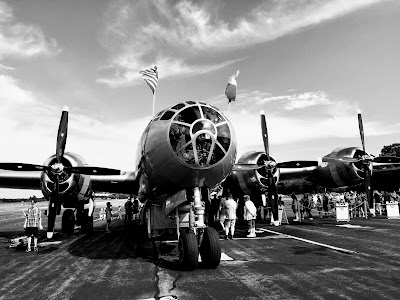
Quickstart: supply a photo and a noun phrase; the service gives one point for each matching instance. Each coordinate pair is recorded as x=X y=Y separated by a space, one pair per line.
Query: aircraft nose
x=199 y=135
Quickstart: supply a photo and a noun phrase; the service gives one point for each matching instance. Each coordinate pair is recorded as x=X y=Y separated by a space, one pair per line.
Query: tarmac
x=313 y=259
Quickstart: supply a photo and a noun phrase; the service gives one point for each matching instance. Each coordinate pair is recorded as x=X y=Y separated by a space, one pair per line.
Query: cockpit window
x=168 y=115
x=212 y=115
x=224 y=136
x=179 y=135
x=199 y=134
x=178 y=106
x=188 y=115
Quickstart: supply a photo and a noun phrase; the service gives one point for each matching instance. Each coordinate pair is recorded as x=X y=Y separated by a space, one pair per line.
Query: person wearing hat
x=250 y=213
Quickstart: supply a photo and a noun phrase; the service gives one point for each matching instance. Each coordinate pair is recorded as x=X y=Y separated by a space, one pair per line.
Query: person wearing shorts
x=33 y=222
x=230 y=214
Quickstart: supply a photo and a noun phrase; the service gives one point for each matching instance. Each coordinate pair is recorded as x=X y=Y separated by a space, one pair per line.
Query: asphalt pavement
x=313 y=259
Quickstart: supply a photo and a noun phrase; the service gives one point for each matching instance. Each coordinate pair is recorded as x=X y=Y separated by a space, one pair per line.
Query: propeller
x=57 y=169
x=366 y=161
x=269 y=165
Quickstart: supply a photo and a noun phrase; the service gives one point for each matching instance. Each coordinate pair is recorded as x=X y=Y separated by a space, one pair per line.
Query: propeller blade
x=385 y=159
x=22 y=167
x=361 y=128
x=273 y=197
x=53 y=207
x=62 y=134
x=343 y=159
x=246 y=167
x=92 y=170
x=297 y=164
x=264 y=133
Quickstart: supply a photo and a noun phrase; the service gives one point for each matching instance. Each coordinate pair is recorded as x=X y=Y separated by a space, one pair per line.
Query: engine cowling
x=73 y=188
x=251 y=182
x=341 y=173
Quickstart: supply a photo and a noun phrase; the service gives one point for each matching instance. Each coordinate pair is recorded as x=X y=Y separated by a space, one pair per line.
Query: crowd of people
x=226 y=210
x=324 y=203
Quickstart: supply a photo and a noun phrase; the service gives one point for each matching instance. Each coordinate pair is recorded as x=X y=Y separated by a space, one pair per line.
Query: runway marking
x=352 y=226
x=224 y=257
x=310 y=242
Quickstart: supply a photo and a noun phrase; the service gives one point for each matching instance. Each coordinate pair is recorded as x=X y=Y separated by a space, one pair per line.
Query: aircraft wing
x=297 y=173
x=20 y=180
x=126 y=183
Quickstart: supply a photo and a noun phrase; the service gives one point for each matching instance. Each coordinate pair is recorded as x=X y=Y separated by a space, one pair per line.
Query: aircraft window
x=201 y=102
x=179 y=135
x=191 y=102
x=168 y=115
x=217 y=155
x=212 y=115
x=188 y=155
x=189 y=115
x=203 y=125
x=224 y=136
x=178 y=106
x=203 y=146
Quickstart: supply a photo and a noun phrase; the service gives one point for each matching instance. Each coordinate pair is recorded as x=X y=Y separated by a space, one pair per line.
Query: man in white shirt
x=250 y=213
x=230 y=213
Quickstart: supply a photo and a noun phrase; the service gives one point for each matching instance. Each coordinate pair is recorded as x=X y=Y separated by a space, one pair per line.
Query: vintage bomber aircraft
x=184 y=151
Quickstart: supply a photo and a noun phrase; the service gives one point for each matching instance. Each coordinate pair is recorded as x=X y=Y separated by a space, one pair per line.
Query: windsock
x=230 y=91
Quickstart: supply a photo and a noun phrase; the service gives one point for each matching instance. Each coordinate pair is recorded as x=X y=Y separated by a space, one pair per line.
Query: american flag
x=151 y=78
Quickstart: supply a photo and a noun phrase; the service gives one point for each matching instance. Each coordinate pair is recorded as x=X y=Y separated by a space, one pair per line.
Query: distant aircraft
x=185 y=150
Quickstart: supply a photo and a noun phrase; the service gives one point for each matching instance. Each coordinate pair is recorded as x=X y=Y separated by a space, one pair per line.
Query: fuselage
x=190 y=144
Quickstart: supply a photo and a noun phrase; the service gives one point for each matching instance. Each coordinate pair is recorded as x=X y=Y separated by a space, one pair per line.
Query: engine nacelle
x=340 y=173
x=250 y=182
x=73 y=188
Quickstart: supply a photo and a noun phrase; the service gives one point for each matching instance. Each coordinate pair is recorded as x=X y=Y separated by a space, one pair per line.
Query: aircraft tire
x=188 y=250
x=68 y=222
x=210 y=249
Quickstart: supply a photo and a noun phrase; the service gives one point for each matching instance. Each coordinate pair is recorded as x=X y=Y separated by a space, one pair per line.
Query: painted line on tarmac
x=311 y=242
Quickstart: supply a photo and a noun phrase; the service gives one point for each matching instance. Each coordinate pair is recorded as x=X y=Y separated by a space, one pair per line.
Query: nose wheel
x=188 y=250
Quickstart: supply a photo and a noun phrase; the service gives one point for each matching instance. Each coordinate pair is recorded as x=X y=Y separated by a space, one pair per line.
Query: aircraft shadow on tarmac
x=126 y=244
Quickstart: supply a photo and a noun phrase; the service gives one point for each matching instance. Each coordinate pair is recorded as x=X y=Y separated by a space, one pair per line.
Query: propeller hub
x=270 y=164
x=57 y=168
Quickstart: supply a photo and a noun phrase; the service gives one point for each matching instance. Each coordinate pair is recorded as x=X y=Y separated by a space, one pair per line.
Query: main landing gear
x=198 y=238
x=84 y=218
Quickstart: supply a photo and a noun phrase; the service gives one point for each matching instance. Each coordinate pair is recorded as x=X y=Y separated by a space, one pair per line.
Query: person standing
x=222 y=214
x=119 y=212
x=295 y=206
x=128 y=211
x=135 y=208
x=250 y=213
x=108 y=216
x=230 y=214
x=33 y=222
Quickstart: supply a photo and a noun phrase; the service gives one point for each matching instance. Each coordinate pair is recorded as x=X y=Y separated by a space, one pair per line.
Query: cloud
x=6 y=67
x=28 y=131
x=22 y=40
x=289 y=120
x=145 y=33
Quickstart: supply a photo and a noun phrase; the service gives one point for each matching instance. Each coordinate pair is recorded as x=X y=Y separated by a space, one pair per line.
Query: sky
x=309 y=64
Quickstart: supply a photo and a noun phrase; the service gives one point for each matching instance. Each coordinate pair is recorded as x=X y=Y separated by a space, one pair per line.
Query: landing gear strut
x=198 y=238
